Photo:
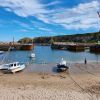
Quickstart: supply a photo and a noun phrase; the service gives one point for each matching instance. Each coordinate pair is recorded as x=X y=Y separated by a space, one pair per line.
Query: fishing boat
x=62 y=66
x=27 y=46
x=13 y=67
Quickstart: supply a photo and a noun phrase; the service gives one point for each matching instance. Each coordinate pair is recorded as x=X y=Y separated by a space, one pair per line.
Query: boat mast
x=99 y=17
x=98 y=13
x=13 y=41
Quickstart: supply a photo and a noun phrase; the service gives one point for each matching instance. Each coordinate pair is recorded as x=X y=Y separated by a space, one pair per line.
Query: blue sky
x=34 y=18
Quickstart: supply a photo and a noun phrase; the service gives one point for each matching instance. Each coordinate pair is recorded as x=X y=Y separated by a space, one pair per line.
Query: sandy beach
x=79 y=83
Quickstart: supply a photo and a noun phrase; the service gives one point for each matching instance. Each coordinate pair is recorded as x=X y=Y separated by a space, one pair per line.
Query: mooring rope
x=87 y=71
x=90 y=92
x=5 y=55
x=80 y=86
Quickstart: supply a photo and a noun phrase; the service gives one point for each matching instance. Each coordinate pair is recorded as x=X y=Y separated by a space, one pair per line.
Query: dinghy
x=62 y=66
x=1 y=52
x=32 y=55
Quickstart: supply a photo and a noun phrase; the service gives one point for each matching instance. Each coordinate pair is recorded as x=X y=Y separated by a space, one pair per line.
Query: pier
x=72 y=46
x=95 y=49
x=76 y=48
x=59 y=45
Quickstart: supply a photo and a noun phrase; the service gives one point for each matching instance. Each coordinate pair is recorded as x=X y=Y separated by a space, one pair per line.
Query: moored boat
x=62 y=66
x=13 y=67
x=32 y=55
x=1 y=52
x=27 y=46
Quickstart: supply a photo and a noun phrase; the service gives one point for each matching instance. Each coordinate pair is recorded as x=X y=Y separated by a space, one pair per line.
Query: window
x=11 y=65
x=14 y=64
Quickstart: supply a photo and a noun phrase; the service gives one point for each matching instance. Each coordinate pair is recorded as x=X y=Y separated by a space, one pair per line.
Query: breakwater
x=76 y=46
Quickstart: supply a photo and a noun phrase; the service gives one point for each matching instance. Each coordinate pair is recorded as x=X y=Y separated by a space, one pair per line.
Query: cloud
x=45 y=29
x=23 y=30
x=23 y=8
x=82 y=16
x=53 y=3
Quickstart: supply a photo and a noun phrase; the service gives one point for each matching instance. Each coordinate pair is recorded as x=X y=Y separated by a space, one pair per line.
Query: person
x=85 y=61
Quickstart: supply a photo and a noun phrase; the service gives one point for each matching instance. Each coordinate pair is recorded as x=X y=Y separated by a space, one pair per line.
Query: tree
x=25 y=40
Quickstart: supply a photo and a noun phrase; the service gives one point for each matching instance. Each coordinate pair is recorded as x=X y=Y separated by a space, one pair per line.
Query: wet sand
x=80 y=82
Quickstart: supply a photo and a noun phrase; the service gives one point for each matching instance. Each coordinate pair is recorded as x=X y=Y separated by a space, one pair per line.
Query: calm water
x=46 y=54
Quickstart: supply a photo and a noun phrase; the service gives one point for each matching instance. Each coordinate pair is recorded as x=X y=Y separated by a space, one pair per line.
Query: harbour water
x=47 y=55
x=44 y=54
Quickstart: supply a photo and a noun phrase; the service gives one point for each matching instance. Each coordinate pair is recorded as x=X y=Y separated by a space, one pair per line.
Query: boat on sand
x=62 y=66
x=12 y=67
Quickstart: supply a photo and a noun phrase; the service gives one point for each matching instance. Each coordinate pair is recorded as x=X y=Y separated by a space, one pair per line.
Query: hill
x=82 y=38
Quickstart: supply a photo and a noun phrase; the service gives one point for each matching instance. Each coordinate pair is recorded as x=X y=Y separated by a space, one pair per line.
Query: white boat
x=62 y=66
x=4 y=66
x=1 y=52
x=13 y=67
x=32 y=55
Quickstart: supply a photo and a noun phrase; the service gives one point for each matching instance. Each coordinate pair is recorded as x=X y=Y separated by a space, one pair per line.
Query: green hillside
x=82 y=38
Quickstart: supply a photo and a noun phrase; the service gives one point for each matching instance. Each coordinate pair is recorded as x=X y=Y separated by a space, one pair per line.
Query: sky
x=35 y=18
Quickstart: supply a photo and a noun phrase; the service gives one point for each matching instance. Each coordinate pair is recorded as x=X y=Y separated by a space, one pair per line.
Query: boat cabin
x=13 y=64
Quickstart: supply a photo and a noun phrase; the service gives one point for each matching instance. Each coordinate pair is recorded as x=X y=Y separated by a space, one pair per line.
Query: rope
x=76 y=83
x=88 y=71
x=5 y=55
x=90 y=92
x=80 y=86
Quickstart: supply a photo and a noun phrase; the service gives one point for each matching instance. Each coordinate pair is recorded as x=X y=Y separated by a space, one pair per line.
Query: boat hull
x=27 y=47
x=1 y=52
x=32 y=55
x=12 y=69
x=61 y=68
x=17 y=69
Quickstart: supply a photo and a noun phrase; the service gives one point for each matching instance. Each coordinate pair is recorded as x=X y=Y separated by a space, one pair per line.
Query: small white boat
x=1 y=52
x=13 y=67
x=4 y=66
x=62 y=66
x=32 y=55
